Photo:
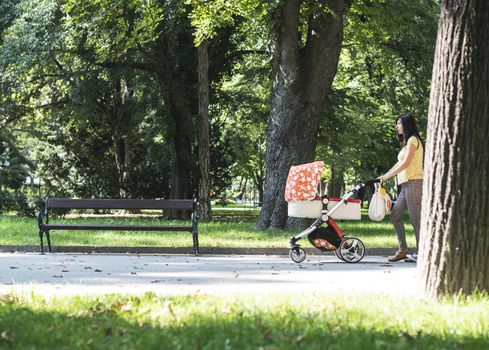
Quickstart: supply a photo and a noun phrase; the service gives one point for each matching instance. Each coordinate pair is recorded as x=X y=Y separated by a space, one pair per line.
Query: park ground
x=135 y=301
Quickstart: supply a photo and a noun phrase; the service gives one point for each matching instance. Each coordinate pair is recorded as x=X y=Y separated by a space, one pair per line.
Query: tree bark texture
x=302 y=81
x=204 y=149
x=454 y=244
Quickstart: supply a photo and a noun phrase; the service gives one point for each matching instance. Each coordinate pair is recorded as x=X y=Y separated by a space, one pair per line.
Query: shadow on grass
x=122 y=324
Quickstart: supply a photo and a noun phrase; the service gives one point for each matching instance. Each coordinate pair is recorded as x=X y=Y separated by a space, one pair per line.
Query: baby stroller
x=304 y=194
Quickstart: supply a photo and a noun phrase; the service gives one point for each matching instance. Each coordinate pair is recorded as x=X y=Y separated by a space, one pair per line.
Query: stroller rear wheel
x=338 y=255
x=351 y=250
x=297 y=254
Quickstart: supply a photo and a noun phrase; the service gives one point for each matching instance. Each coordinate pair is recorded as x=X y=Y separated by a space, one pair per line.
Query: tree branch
x=17 y=152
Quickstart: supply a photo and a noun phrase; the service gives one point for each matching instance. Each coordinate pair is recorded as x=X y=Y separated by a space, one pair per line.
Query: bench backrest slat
x=65 y=203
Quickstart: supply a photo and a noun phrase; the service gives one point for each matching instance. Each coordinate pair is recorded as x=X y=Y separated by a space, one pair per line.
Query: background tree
x=455 y=215
x=305 y=63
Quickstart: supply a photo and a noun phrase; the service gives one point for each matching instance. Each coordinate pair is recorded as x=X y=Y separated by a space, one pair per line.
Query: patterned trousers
x=410 y=198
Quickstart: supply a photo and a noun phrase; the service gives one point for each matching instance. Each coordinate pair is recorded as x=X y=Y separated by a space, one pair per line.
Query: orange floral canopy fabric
x=302 y=181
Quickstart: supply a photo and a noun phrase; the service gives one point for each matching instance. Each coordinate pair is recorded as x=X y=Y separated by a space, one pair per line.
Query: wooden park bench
x=123 y=204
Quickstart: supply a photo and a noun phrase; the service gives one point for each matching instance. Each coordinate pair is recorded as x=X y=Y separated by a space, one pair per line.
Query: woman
x=409 y=171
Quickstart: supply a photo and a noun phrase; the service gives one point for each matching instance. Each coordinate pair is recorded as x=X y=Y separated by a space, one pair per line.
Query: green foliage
x=80 y=78
x=384 y=71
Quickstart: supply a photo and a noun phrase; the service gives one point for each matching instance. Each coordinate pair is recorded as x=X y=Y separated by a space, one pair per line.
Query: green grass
x=242 y=322
x=236 y=234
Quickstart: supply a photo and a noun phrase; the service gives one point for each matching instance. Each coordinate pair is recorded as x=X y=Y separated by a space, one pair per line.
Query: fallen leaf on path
x=133 y=273
x=97 y=270
x=65 y=270
x=170 y=309
x=56 y=276
x=13 y=267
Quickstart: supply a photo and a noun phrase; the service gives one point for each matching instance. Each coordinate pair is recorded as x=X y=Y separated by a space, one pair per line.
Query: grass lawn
x=235 y=229
x=242 y=322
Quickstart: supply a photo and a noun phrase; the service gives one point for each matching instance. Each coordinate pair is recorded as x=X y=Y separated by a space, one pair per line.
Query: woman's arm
x=400 y=166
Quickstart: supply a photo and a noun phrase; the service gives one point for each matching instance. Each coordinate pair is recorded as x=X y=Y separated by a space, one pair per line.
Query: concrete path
x=70 y=274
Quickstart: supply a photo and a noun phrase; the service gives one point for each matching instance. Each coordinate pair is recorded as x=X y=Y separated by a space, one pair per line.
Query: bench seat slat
x=65 y=203
x=116 y=227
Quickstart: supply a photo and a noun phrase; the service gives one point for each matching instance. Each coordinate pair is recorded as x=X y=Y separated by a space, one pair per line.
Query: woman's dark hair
x=410 y=129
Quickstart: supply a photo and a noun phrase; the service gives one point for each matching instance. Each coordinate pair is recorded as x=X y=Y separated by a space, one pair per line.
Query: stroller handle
x=372 y=181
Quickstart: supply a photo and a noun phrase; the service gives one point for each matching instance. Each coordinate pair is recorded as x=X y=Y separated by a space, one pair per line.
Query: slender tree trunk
x=121 y=143
x=259 y=187
x=259 y=178
x=454 y=234
x=337 y=180
x=204 y=150
x=303 y=78
x=181 y=164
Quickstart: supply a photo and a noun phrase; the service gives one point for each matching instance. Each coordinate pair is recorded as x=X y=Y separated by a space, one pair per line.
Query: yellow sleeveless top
x=414 y=170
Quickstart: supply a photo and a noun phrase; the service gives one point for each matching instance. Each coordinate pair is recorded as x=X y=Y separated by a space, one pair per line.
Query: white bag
x=376 y=209
x=388 y=203
x=387 y=199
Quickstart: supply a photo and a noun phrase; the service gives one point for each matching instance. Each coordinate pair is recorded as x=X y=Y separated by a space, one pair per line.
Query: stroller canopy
x=302 y=181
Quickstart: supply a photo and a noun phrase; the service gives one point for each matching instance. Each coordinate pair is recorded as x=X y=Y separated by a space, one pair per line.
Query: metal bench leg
x=195 y=227
x=195 y=235
x=49 y=241
x=41 y=238
x=41 y=230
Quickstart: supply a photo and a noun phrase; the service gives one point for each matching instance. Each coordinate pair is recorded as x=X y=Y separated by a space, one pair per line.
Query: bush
x=17 y=201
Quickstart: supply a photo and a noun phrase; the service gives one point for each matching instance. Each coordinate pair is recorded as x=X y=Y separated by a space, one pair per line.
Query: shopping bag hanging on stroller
x=305 y=199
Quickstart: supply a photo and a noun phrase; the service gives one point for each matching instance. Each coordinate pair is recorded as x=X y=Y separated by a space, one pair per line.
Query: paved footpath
x=70 y=274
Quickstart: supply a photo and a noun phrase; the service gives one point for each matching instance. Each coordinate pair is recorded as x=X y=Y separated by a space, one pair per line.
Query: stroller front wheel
x=297 y=254
x=351 y=250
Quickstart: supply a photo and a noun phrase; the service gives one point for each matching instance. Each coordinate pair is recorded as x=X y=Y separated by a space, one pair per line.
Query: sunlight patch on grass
x=234 y=234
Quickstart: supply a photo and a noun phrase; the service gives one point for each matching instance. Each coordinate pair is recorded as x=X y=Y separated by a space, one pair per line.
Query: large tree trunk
x=204 y=153
x=455 y=216
x=303 y=78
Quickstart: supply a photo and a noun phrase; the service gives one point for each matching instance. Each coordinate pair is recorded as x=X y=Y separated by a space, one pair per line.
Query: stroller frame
x=350 y=249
